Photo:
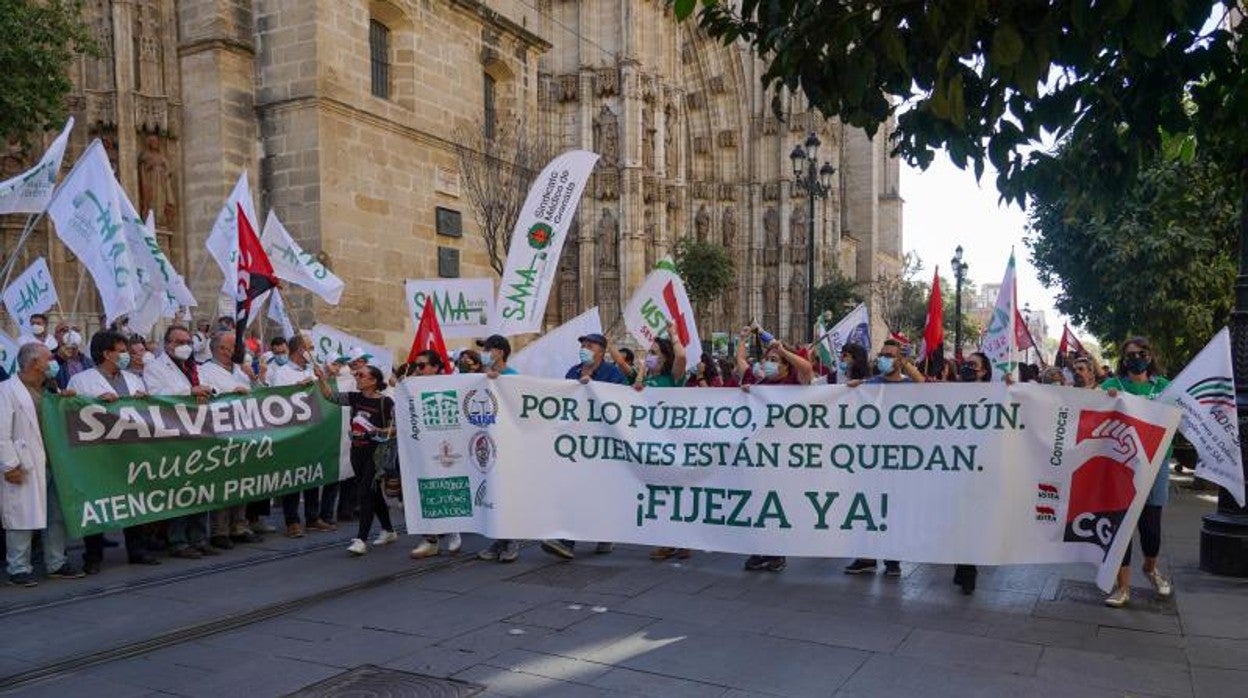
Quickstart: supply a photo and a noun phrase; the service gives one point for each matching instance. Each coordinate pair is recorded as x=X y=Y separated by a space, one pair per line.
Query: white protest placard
x=537 y=241
x=32 y=292
x=463 y=306
x=661 y=299
x=980 y=473
x=30 y=191
x=552 y=354
x=87 y=215
x=291 y=263
x=329 y=343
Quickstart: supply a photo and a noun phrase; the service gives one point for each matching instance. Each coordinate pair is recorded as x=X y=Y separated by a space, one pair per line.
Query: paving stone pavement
x=277 y=617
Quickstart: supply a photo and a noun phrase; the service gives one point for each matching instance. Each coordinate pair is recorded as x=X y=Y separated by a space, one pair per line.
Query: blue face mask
x=123 y=360
x=487 y=359
x=767 y=369
x=587 y=356
x=281 y=359
x=52 y=370
x=842 y=368
x=885 y=364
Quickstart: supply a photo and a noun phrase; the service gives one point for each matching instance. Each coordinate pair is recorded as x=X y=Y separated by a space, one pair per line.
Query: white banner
x=552 y=354
x=947 y=473
x=291 y=263
x=1205 y=391
x=32 y=292
x=661 y=299
x=464 y=306
x=8 y=353
x=31 y=191
x=329 y=343
x=222 y=242
x=87 y=215
x=537 y=240
x=1000 y=343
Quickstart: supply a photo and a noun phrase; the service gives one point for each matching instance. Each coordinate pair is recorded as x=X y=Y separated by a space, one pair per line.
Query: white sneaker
x=385 y=538
x=454 y=542
x=1160 y=583
x=1119 y=597
x=427 y=548
x=357 y=547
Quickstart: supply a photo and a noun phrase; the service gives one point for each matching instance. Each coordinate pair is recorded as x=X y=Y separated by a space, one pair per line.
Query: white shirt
x=93 y=383
x=290 y=374
x=216 y=376
x=163 y=377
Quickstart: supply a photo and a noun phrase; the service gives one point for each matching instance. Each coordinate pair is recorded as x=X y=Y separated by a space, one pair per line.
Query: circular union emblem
x=483 y=451
x=540 y=236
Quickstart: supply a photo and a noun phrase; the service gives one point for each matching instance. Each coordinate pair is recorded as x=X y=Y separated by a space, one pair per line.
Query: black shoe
x=24 y=579
x=892 y=568
x=860 y=566
x=776 y=564
x=244 y=537
x=959 y=571
x=144 y=559
x=67 y=571
x=222 y=542
x=967 y=580
x=91 y=567
x=755 y=563
x=186 y=553
x=206 y=549
x=108 y=543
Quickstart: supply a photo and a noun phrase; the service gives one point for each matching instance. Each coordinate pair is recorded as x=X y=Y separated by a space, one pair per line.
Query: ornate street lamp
x=959 y=275
x=816 y=181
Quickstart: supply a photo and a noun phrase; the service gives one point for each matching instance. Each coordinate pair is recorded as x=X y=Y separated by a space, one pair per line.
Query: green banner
x=139 y=460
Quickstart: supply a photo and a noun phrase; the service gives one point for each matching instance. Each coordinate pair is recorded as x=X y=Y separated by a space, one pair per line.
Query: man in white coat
x=110 y=381
x=224 y=376
x=174 y=372
x=27 y=493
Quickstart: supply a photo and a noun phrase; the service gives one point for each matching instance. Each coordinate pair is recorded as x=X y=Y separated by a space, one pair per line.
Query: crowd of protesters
x=199 y=363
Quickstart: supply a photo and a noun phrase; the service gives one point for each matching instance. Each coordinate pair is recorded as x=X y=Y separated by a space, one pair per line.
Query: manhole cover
x=1142 y=599
x=368 y=680
x=566 y=576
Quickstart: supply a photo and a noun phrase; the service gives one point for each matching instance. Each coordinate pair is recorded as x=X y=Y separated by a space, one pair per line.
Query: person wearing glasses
x=1139 y=374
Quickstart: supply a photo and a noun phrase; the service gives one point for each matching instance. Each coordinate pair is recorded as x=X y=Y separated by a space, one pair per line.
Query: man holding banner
x=223 y=375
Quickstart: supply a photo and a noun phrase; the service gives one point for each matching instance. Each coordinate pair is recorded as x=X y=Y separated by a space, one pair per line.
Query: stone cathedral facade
x=344 y=113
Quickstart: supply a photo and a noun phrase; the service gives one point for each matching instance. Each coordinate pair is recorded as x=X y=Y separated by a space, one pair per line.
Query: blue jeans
x=17 y=543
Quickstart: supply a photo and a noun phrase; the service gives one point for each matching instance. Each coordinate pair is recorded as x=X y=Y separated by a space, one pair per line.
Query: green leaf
x=1007 y=45
x=683 y=8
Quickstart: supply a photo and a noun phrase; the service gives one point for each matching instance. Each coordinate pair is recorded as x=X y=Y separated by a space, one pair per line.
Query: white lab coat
x=92 y=383
x=216 y=376
x=23 y=507
x=289 y=374
x=163 y=377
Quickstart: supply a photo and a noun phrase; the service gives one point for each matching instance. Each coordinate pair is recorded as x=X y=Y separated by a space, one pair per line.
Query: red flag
x=1022 y=333
x=429 y=336
x=1070 y=343
x=255 y=278
x=934 y=332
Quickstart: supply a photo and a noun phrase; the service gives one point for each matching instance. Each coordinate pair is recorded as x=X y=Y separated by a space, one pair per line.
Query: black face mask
x=1137 y=364
x=968 y=374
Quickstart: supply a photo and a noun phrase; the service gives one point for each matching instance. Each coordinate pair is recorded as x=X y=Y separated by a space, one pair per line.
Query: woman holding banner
x=664 y=367
x=372 y=421
x=1139 y=374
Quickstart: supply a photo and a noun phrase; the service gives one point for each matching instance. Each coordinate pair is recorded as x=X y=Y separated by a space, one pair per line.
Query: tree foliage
x=838 y=295
x=707 y=269
x=986 y=80
x=1159 y=261
x=41 y=40
x=901 y=302
x=497 y=173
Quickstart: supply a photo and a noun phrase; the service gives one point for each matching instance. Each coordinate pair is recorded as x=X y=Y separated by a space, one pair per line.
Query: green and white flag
x=8 y=353
x=662 y=299
x=1205 y=391
x=854 y=327
x=31 y=191
x=291 y=263
x=1000 y=343
x=88 y=218
x=32 y=292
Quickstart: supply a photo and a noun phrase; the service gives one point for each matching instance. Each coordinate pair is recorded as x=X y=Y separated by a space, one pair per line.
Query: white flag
x=32 y=292
x=177 y=295
x=8 y=353
x=278 y=314
x=464 y=306
x=854 y=328
x=222 y=242
x=661 y=299
x=150 y=268
x=31 y=191
x=1000 y=343
x=291 y=263
x=87 y=215
x=329 y=343
x=537 y=240
x=1205 y=391
x=552 y=354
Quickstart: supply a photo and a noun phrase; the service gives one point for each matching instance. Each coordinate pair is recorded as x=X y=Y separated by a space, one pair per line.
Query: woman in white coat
x=27 y=494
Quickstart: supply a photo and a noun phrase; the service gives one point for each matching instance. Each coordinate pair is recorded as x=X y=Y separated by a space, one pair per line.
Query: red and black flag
x=255 y=278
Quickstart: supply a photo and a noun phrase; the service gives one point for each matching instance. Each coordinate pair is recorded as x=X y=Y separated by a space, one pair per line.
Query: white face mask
x=182 y=352
x=73 y=339
x=38 y=329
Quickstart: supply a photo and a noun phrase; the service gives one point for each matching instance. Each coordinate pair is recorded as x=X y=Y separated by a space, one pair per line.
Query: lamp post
x=817 y=183
x=959 y=275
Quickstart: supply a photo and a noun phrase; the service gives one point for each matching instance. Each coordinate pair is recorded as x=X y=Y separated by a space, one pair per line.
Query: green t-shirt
x=662 y=380
x=1150 y=389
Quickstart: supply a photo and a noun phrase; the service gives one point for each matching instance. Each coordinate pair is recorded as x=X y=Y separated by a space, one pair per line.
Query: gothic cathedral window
x=379 y=57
